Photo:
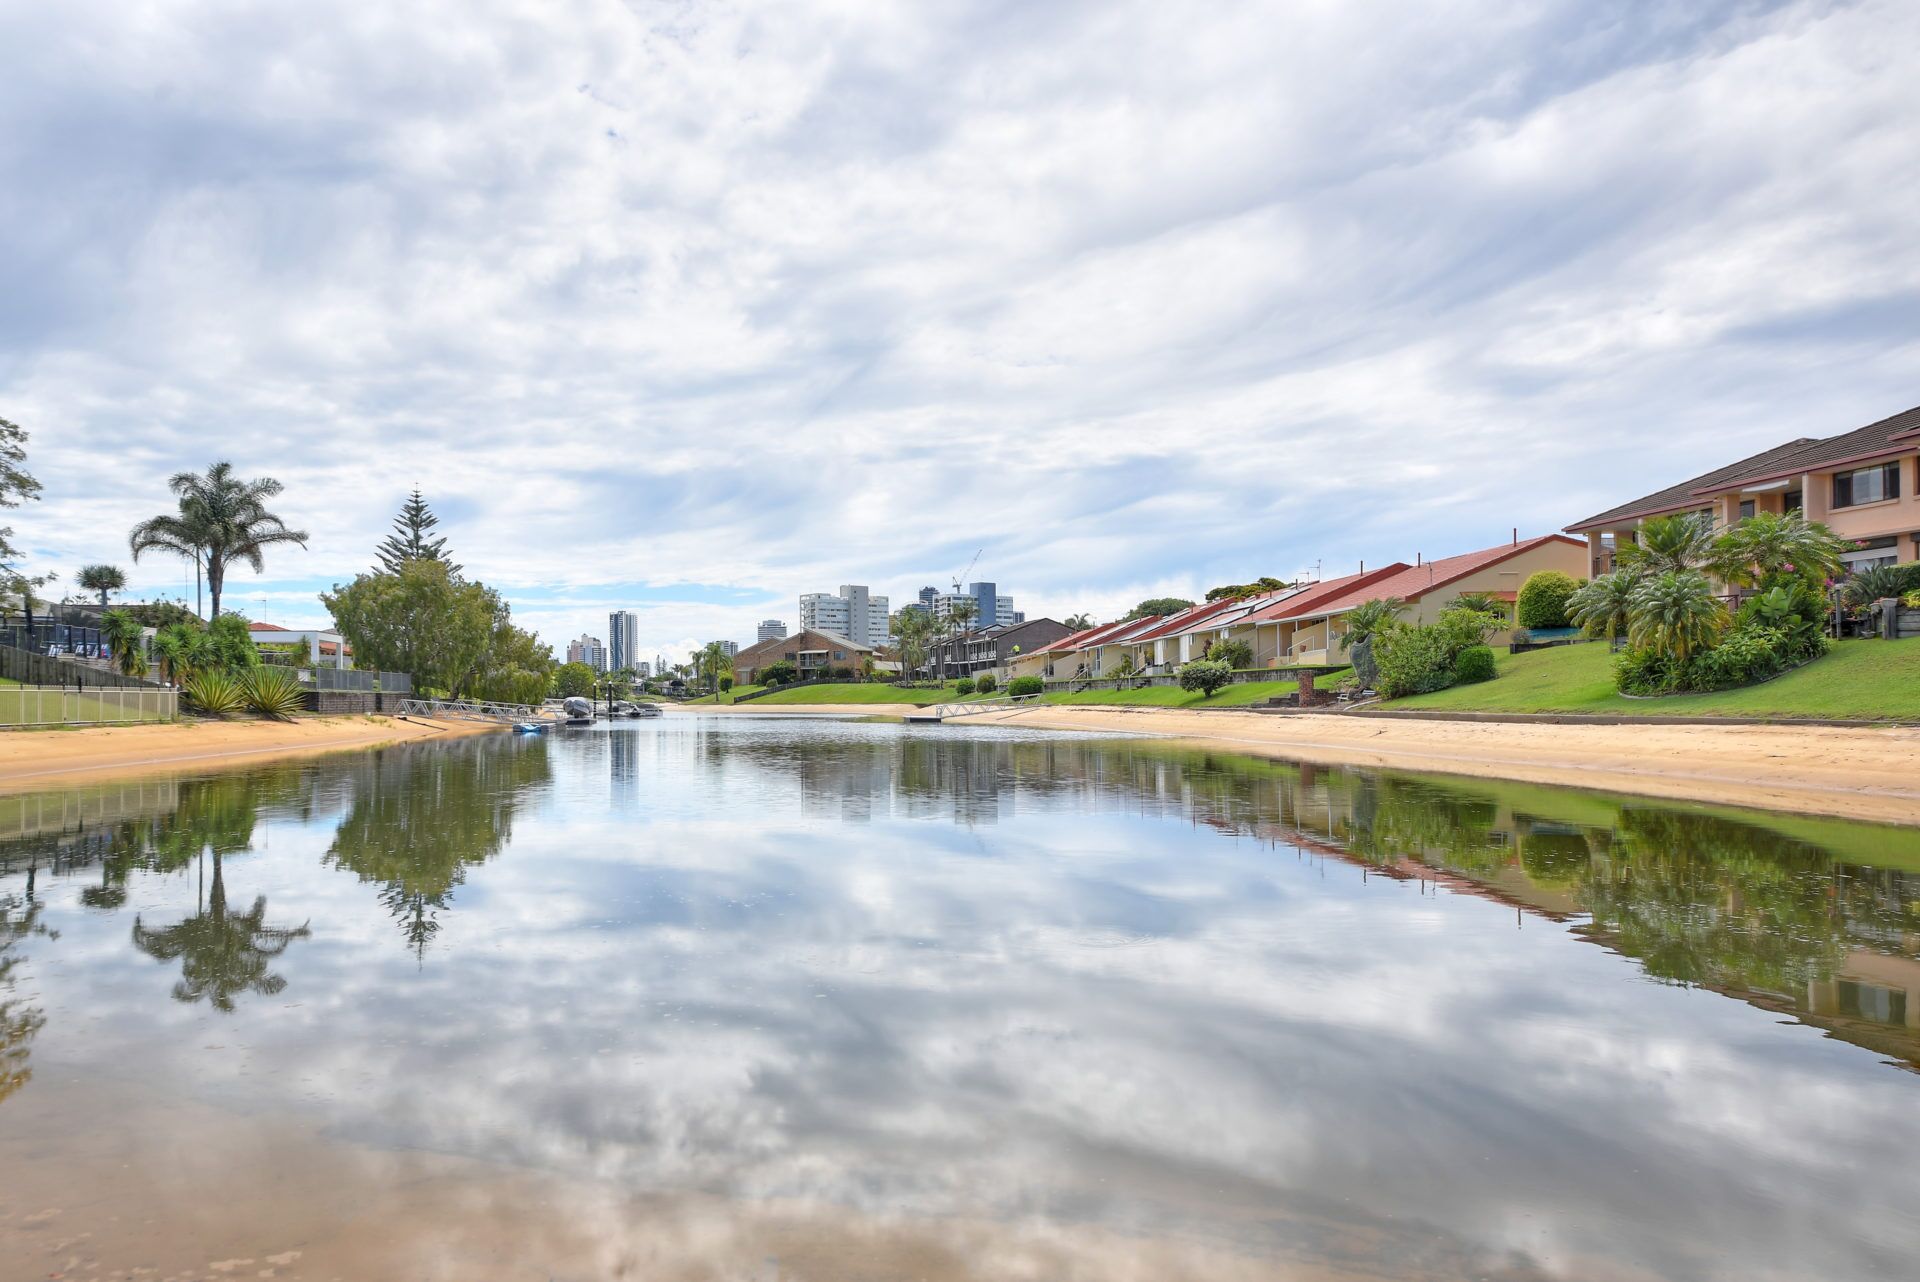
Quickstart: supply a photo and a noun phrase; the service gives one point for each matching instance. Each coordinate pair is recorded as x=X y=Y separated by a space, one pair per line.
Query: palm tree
x=1483 y=603
x=124 y=635
x=1766 y=545
x=1077 y=622
x=222 y=519
x=712 y=660
x=1669 y=543
x=102 y=579
x=1676 y=614
x=222 y=954
x=1603 y=606
x=1369 y=617
x=960 y=617
x=911 y=629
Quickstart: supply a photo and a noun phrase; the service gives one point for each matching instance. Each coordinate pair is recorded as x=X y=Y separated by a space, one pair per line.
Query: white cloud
x=775 y=299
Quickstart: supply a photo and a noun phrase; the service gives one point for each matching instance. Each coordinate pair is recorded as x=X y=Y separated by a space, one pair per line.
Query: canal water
x=756 y=998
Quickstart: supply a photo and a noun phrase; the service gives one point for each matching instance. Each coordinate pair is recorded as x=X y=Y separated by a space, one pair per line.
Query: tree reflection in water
x=422 y=816
x=19 y=1022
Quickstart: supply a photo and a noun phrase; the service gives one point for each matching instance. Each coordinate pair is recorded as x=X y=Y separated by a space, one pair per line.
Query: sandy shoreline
x=33 y=759
x=1868 y=773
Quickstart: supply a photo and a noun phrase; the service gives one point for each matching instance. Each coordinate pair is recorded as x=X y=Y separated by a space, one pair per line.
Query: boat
x=579 y=712
x=646 y=709
x=528 y=727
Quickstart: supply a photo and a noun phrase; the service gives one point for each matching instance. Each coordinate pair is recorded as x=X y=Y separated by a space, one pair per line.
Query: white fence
x=49 y=706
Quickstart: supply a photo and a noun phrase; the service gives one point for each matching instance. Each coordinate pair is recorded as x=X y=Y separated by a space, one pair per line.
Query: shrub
x=1542 y=602
x=1911 y=600
x=1365 y=671
x=779 y=674
x=232 y=642
x=1235 y=654
x=1744 y=656
x=1475 y=663
x=963 y=686
x=1868 y=586
x=985 y=683
x=1646 y=672
x=1025 y=686
x=213 y=692
x=1412 y=661
x=1205 y=675
x=726 y=683
x=1460 y=627
x=841 y=673
x=272 y=692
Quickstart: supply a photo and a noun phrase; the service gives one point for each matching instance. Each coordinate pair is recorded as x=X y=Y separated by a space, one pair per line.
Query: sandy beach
x=1859 y=773
x=31 y=759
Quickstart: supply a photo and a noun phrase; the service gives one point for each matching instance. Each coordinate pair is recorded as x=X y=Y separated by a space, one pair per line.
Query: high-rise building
x=588 y=650
x=989 y=607
x=771 y=630
x=853 y=613
x=623 y=639
x=643 y=670
x=728 y=648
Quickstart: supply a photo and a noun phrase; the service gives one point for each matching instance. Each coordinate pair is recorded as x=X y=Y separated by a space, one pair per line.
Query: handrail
x=477 y=710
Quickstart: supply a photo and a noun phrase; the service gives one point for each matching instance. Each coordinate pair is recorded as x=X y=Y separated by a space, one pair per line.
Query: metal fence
x=28 y=706
x=31 y=668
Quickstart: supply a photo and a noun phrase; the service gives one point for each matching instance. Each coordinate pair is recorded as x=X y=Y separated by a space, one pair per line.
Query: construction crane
x=960 y=577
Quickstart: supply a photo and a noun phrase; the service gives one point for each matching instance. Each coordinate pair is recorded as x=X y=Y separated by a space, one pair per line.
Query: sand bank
x=1859 y=773
x=31 y=759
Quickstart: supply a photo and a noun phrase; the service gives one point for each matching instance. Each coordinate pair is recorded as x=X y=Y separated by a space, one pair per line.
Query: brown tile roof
x=1685 y=495
x=1861 y=444
x=1411 y=582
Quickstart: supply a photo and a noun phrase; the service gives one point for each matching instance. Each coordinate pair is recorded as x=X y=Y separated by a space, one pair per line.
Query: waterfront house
x=992 y=649
x=814 y=655
x=1863 y=485
x=326 y=649
x=1306 y=629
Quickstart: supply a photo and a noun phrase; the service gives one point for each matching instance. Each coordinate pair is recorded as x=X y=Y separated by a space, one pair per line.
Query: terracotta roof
x=1893 y=435
x=1314 y=593
x=1411 y=582
x=1686 y=495
x=1099 y=634
x=1195 y=616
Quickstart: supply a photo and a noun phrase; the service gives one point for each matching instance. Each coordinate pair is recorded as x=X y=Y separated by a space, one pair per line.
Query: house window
x=1790 y=502
x=1871 y=552
x=1746 y=508
x=838 y=655
x=789 y=655
x=1866 y=485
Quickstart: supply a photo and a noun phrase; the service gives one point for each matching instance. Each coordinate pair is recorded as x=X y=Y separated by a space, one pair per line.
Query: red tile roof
x=1314 y=593
x=1411 y=582
x=1193 y=617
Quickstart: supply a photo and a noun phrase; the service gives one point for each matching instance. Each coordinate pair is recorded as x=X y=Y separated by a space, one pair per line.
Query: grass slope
x=1233 y=696
x=1869 y=680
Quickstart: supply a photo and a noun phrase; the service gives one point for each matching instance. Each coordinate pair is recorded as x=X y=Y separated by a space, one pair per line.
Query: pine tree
x=409 y=541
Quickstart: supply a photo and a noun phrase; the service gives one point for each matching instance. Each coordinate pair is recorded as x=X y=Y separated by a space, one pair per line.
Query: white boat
x=646 y=709
x=579 y=711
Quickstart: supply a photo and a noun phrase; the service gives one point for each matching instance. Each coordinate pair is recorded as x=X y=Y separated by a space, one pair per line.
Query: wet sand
x=1866 y=773
x=32 y=759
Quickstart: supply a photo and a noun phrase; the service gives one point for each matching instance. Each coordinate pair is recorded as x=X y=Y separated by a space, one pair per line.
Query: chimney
x=1516 y=536
x=1418 y=559
x=1363 y=567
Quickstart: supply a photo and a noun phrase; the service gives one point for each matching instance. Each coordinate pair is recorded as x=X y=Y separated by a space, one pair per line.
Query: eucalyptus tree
x=221 y=519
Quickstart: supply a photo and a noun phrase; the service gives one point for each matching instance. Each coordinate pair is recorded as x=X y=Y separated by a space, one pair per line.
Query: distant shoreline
x=1863 y=772
x=32 y=760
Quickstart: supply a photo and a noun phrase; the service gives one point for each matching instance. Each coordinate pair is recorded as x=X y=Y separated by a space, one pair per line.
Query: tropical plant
x=1602 y=607
x=1077 y=622
x=1369 y=617
x=1205 y=676
x=183 y=649
x=1542 y=601
x=126 y=641
x=102 y=579
x=1676 y=543
x=1020 y=687
x=1674 y=614
x=1877 y=583
x=1763 y=547
x=213 y=692
x=912 y=629
x=231 y=641
x=411 y=538
x=222 y=519
x=272 y=692
x=222 y=954
x=779 y=673
x=1484 y=603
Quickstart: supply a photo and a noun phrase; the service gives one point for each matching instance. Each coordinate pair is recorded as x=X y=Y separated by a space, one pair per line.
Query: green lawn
x=1863 y=679
x=1233 y=696
x=859 y=692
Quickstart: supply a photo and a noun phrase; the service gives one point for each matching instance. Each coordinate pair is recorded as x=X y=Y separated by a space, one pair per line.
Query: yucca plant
x=213 y=692
x=272 y=691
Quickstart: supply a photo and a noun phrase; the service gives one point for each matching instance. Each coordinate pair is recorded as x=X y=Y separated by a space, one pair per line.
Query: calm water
x=769 y=999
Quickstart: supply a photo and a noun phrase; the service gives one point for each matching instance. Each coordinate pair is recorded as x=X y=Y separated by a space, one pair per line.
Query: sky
x=689 y=308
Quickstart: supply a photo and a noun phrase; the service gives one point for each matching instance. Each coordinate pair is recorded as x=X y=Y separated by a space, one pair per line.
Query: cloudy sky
x=691 y=307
